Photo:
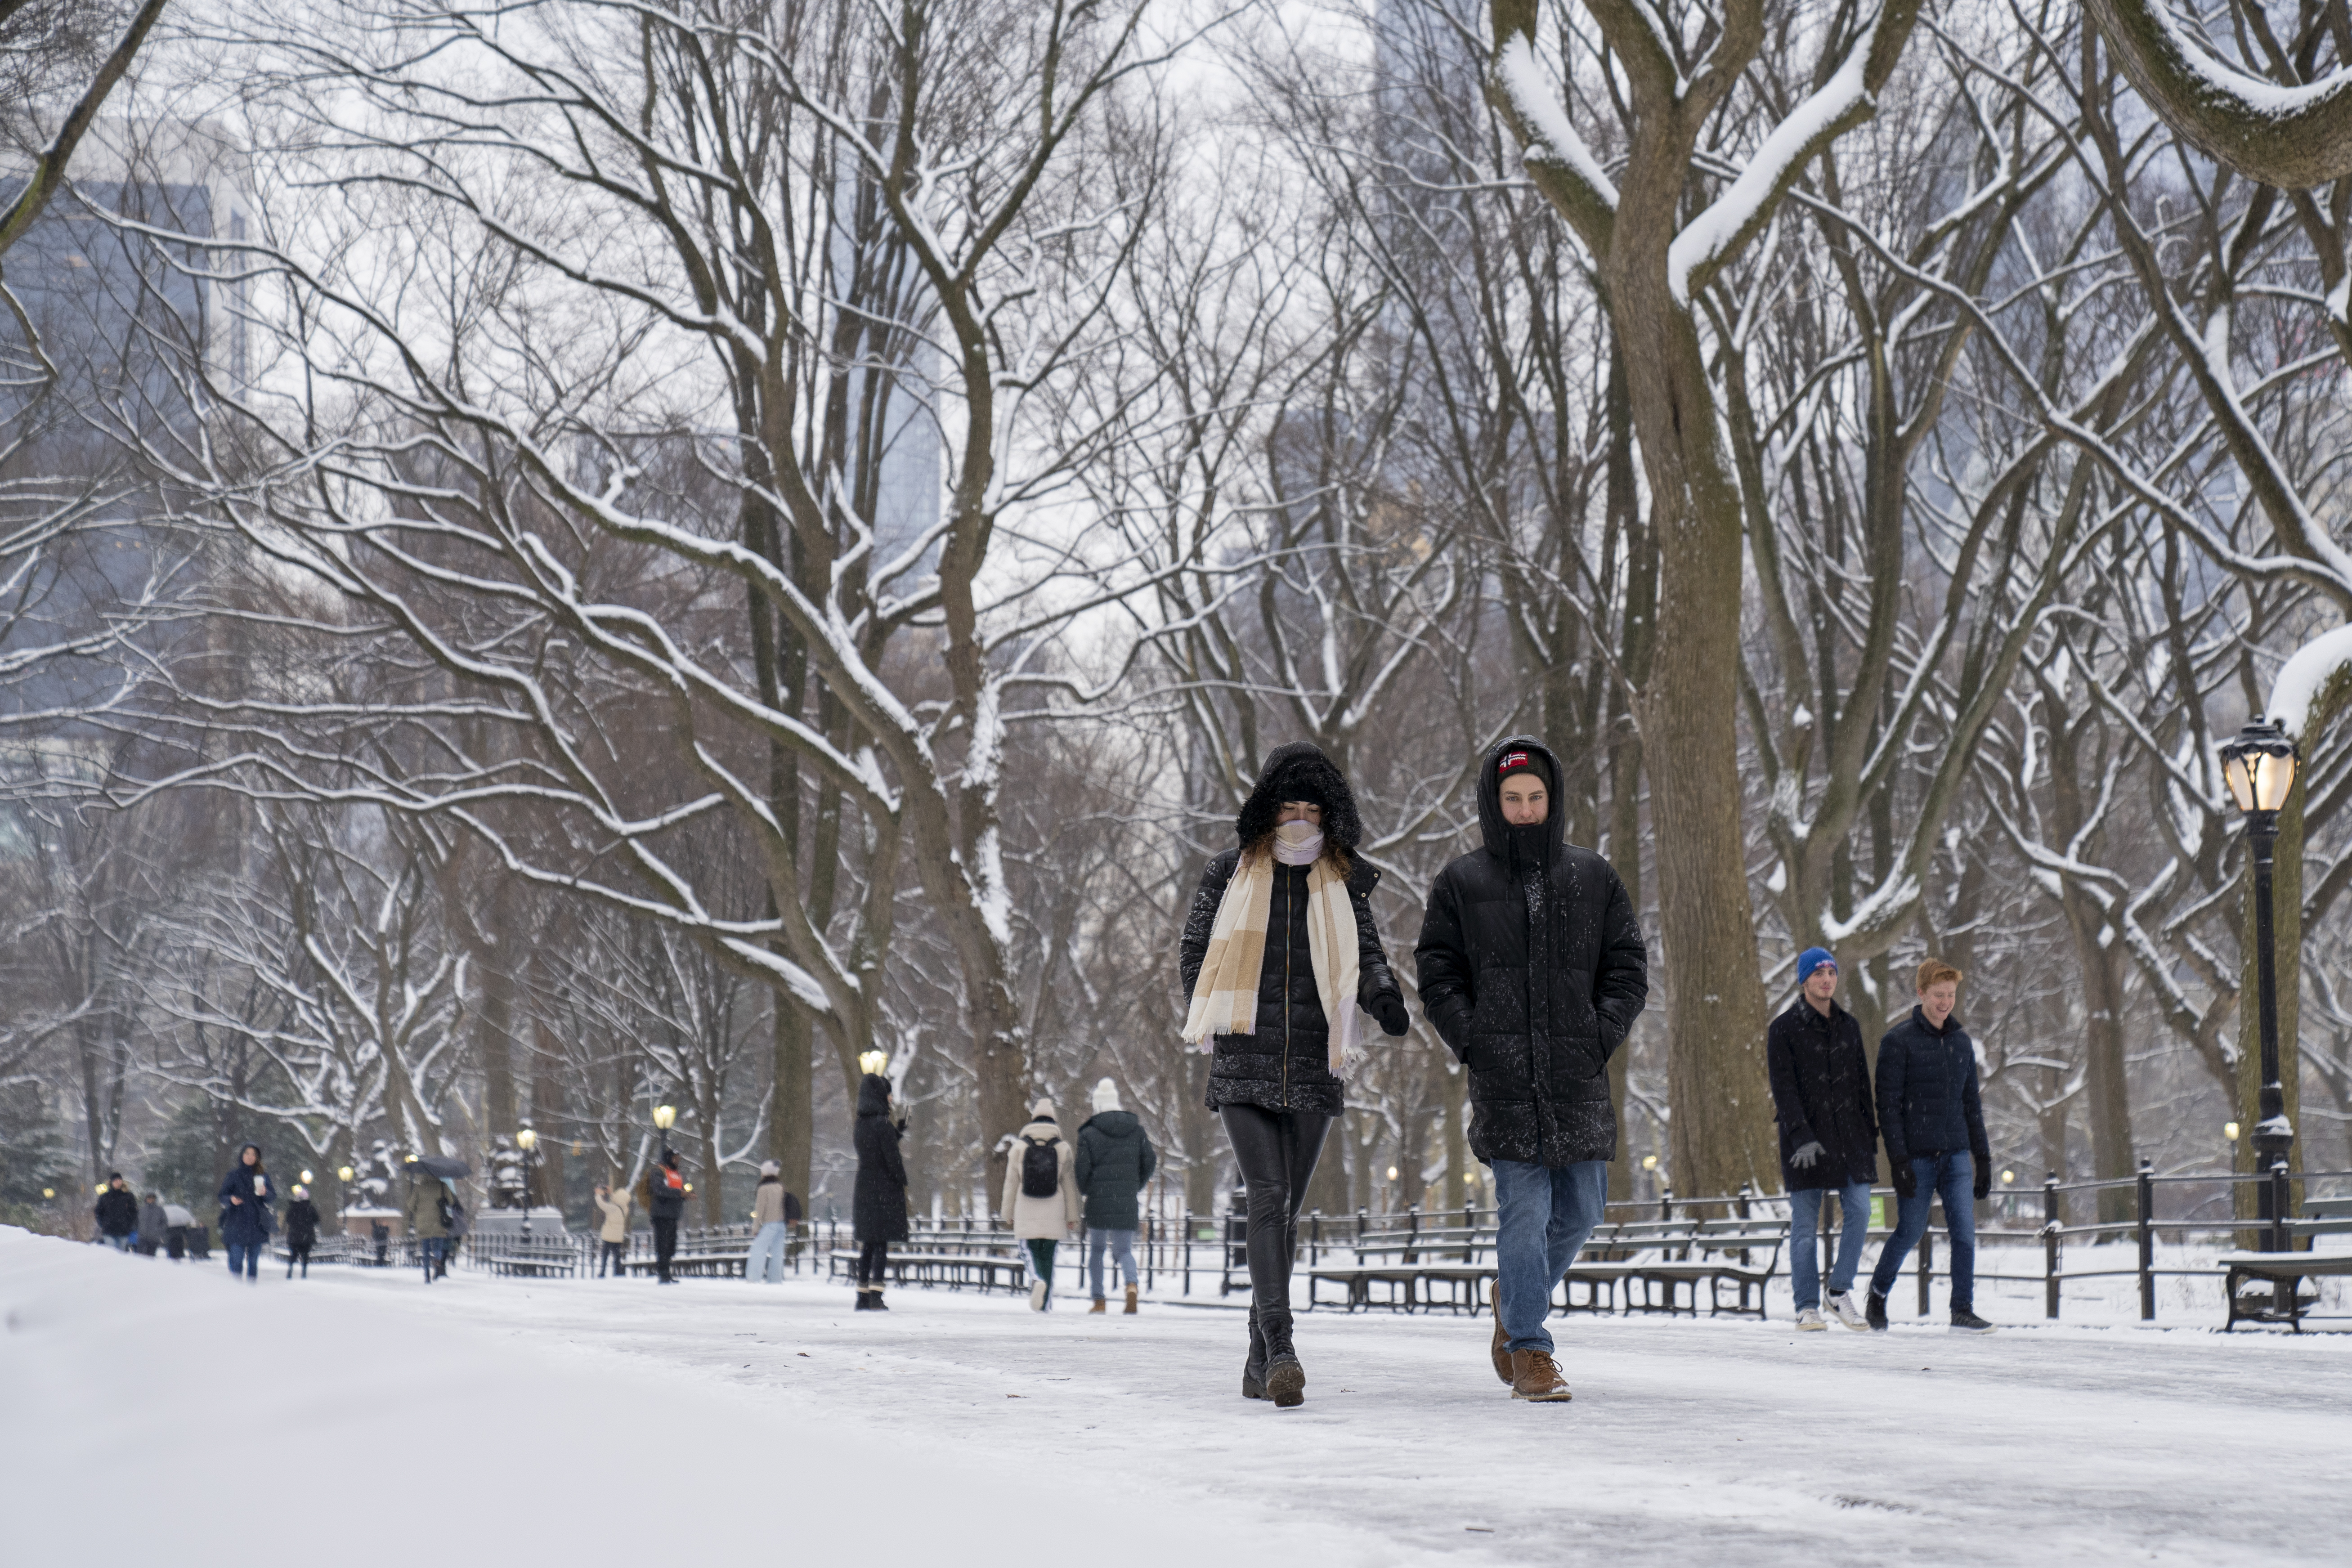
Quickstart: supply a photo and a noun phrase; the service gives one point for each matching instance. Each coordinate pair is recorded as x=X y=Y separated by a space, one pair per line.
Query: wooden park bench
x=2285 y=1271
x=953 y=1258
x=718 y=1250
x=1666 y=1261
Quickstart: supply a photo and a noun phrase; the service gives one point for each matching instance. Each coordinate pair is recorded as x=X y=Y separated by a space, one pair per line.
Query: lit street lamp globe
x=665 y=1116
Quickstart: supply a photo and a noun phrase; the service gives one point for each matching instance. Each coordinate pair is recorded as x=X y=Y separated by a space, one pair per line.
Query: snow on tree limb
x=2291 y=137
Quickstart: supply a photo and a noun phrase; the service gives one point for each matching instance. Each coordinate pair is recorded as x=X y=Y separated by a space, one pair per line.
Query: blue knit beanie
x=1812 y=957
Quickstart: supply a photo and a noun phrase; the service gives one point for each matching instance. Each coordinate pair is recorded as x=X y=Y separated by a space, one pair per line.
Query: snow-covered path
x=2034 y=1445
x=957 y=1431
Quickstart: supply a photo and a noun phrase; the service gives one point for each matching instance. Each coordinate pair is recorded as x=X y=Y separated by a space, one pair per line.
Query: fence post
x=1314 y=1239
x=1927 y=1255
x=1188 y=1249
x=2282 y=1202
x=2147 y=1193
x=2050 y=1234
x=1667 y=1206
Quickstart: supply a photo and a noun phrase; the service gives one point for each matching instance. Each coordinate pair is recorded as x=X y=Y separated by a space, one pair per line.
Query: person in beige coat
x=615 y=1253
x=773 y=1210
x=1039 y=1211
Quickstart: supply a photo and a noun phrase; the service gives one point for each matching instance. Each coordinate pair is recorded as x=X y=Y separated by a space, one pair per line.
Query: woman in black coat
x=302 y=1231
x=879 y=1204
x=1275 y=1080
x=245 y=1217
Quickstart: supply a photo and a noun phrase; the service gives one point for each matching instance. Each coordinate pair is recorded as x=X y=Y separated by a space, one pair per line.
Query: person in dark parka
x=1114 y=1159
x=1829 y=1135
x=879 y=1204
x=1933 y=1121
x=154 y=1226
x=666 y=1204
x=246 y=1216
x=1265 y=959
x=302 y=1231
x=1532 y=970
x=117 y=1212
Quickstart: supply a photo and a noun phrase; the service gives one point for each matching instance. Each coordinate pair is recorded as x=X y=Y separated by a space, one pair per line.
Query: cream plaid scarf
x=1224 y=997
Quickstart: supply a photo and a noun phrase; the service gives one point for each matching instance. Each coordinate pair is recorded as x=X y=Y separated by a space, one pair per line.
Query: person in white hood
x=1041 y=1195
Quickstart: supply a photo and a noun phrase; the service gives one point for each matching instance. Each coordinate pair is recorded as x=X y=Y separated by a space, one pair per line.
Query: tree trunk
x=790 y=1118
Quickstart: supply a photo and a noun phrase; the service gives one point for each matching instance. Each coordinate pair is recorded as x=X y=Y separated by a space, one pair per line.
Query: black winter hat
x=1301 y=771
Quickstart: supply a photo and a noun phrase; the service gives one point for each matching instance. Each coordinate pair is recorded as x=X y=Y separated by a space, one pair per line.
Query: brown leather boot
x=1534 y=1376
x=1130 y=1301
x=1501 y=1347
x=1100 y=1306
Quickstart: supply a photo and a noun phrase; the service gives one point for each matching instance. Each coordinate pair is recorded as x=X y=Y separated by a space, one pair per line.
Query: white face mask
x=1296 y=832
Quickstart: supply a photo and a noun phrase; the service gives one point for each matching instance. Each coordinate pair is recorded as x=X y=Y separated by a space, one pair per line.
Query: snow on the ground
x=958 y=1429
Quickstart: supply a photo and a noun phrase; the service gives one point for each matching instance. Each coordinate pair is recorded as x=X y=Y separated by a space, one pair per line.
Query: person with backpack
x=117 y=1212
x=302 y=1231
x=246 y=1220
x=1114 y=1159
x=878 y=1202
x=666 y=1203
x=1041 y=1196
x=613 y=1237
x=1279 y=957
x=428 y=1218
x=773 y=1213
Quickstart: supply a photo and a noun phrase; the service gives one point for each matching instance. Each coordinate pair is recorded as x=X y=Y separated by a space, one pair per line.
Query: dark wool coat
x=117 y=1212
x=1533 y=969
x=1114 y=1159
x=1820 y=1093
x=155 y=1224
x=665 y=1202
x=1286 y=1065
x=879 y=1204
x=1927 y=1101
x=301 y=1223
x=246 y=1224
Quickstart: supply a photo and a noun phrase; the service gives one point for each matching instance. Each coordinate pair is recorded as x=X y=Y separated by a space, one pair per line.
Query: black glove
x=1906 y=1184
x=1389 y=1009
x=1806 y=1154
x=1984 y=1180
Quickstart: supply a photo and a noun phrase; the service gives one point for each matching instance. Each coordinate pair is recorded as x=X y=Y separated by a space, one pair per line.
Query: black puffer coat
x=1114 y=1160
x=1285 y=1066
x=117 y=1212
x=301 y=1223
x=1927 y=1101
x=1821 y=1094
x=878 y=1205
x=1533 y=969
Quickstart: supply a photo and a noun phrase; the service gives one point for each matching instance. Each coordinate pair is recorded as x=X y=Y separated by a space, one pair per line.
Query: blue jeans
x=436 y=1249
x=119 y=1243
x=766 y=1264
x=1546 y=1213
x=1953 y=1178
x=1804 y=1239
x=245 y=1258
x=1122 y=1251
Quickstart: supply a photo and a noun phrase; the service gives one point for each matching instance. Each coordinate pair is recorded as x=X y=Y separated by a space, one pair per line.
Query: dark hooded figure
x=1279 y=954
x=879 y=1204
x=666 y=1185
x=1532 y=970
x=245 y=1195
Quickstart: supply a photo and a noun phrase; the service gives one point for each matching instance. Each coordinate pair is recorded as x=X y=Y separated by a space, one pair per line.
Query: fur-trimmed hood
x=1301 y=771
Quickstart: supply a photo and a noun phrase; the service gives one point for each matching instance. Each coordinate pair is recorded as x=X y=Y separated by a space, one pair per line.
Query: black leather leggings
x=1276 y=1150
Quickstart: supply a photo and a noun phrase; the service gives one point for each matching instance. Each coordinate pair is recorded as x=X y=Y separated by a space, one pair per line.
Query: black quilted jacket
x=1533 y=969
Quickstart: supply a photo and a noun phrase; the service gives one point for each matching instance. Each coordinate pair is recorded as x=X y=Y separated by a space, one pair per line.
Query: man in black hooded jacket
x=1533 y=969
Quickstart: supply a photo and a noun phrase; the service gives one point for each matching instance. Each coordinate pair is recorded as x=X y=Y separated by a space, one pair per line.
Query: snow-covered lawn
x=167 y=1411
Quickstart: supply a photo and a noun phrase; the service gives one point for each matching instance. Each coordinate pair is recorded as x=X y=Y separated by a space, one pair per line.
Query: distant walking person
x=246 y=1219
x=878 y=1202
x=182 y=1235
x=1532 y=971
x=1041 y=1196
x=1279 y=957
x=302 y=1231
x=428 y=1219
x=154 y=1226
x=1829 y=1135
x=1933 y=1122
x=1114 y=1159
x=668 y=1202
x=613 y=1236
x=773 y=1211
x=118 y=1213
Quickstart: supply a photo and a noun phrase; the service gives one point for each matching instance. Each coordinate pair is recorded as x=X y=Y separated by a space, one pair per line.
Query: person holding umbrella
x=428 y=1215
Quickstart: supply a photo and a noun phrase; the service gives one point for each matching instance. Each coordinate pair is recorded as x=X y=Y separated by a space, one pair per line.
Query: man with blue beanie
x=1829 y=1135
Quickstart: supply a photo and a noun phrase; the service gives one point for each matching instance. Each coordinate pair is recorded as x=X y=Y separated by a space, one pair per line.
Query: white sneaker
x=1842 y=1306
x=1037 y=1296
x=1810 y=1319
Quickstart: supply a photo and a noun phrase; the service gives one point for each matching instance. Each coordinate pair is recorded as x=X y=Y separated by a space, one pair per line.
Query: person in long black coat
x=302 y=1231
x=1829 y=1135
x=246 y=1216
x=117 y=1212
x=1532 y=970
x=878 y=1205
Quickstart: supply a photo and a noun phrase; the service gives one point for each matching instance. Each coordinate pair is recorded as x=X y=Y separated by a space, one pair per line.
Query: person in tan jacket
x=1041 y=1195
x=615 y=1234
x=773 y=1211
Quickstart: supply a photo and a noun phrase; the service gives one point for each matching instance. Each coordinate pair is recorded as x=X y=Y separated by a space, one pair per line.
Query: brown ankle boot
x=1100 y=1306
x=1534 y=1376
x=1499 y=1352
x=1130 y=1301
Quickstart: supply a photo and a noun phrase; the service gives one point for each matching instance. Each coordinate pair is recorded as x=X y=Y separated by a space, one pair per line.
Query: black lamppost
x=2259 y=766
x=527 y=1142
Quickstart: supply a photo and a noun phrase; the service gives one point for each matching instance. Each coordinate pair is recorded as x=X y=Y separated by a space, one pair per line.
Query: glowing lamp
x=874 y=1062
x=342 y=1173
x=526 y=1139
x=2258 y=764
x=665 y=1116
x=2230 y=1131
